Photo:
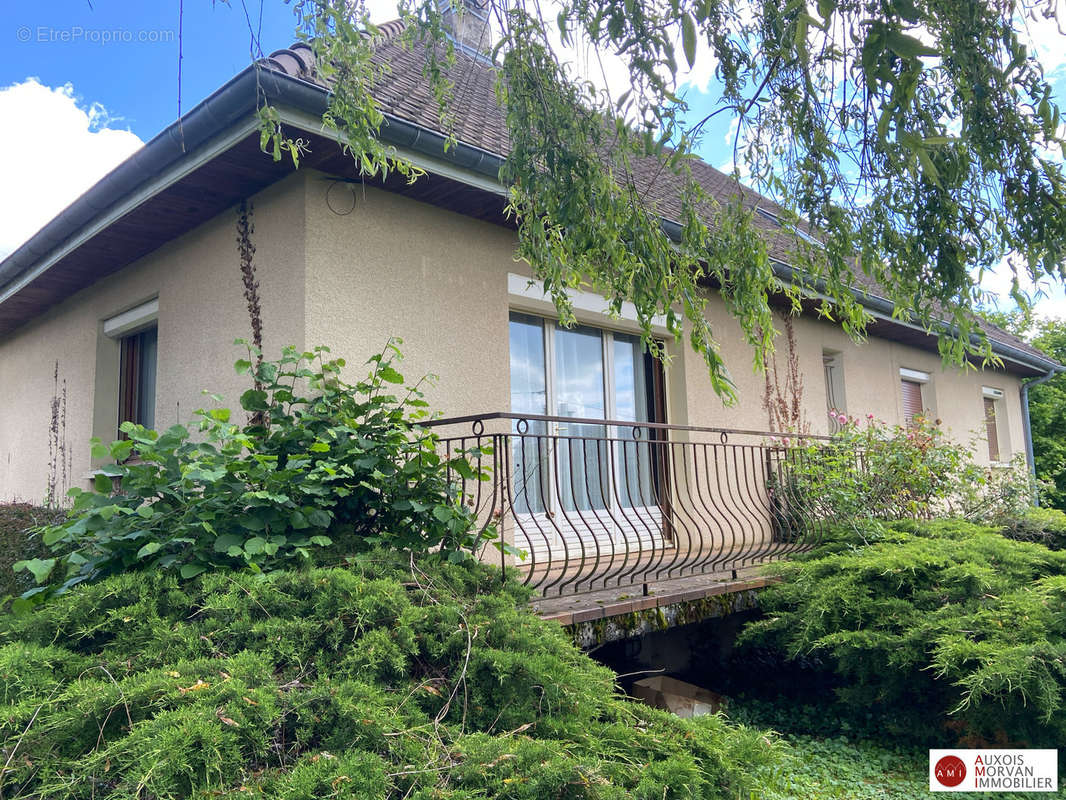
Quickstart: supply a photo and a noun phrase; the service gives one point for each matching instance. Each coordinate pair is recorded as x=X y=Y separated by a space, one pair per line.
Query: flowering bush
x=869 y=470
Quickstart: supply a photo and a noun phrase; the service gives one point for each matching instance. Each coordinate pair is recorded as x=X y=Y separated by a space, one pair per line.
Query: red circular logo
x=950 y=771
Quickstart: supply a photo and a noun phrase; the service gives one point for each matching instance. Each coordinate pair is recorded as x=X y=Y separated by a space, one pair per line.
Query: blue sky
x=81 y=86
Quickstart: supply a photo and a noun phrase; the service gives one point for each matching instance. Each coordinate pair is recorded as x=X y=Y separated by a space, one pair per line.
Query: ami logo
x=949 y=771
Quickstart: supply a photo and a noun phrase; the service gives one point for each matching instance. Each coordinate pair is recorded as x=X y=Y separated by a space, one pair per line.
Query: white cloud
x=57 y=147
x=1046 y=36
x=1047 y=296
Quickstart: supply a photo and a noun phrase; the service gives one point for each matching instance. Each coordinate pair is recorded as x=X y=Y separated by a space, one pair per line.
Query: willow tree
x=915 y=142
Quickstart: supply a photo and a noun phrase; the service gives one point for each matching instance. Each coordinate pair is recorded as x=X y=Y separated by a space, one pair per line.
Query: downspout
x=1027 y=429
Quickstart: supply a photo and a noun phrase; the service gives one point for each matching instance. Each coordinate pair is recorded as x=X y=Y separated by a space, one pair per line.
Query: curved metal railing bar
x=614 y=503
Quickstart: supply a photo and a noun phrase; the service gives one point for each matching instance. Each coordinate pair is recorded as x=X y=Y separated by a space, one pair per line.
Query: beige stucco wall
x=871 y=384
x=436 y=279
x=201 y=312
x=391 y=267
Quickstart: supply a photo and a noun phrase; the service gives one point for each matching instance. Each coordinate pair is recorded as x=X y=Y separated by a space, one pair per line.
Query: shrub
x=1046 y=526
x=20 y=540
x=318 y=460
x=870 y=471
x=947 y=619
x=380 y=681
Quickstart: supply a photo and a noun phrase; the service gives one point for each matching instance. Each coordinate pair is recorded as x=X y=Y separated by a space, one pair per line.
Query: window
x=126 y=369
x=835 y=402
x=994 y=417
x=136 y=397
x=915 y=394
x=581 y=374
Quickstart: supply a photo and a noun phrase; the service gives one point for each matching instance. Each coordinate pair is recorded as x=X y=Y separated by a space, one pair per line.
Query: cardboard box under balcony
x=676 y=696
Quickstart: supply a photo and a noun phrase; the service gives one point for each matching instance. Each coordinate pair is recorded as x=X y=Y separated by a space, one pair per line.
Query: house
x=124 y=307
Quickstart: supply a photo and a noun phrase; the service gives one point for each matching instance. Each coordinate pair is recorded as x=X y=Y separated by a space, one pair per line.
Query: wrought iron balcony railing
x=596 y=504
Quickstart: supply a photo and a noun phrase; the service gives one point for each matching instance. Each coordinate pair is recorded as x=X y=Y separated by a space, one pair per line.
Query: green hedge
x=18 y=540
x=1046 y=526
x=385 y=680
x=949 y=620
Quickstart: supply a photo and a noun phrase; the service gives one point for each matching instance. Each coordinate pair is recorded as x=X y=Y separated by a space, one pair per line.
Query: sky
x=84 y=84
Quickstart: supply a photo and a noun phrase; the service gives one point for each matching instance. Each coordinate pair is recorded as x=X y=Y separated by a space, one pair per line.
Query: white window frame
x=928 y=388
x=998 y=396
x=551 y=518
x=529 y=296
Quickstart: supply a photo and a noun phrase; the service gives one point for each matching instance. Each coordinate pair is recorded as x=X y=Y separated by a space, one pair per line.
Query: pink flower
x=785 y=441
x=842 y=418
x=869 y=416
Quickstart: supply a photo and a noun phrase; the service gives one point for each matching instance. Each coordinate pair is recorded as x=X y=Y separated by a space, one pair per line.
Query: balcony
x=595 y=504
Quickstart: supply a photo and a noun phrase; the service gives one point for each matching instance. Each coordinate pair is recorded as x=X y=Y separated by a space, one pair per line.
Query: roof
x=58 y=260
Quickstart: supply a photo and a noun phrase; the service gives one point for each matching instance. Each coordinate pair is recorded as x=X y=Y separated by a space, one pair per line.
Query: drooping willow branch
x=909 y=145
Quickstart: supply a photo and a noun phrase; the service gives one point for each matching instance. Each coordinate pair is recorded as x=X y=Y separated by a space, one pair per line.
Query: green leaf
x=906 y=46
x=149 y=549
x=928 y=167
x=220 y=414
x=192 y=570
x=98 y=450
x=937 y=141
x=254 y=400
x=102 y=483
x=146 y=511
x=688 y=38
x=390 y=375
x=255 y=545
x=319 y=447
x=226 y=541
x=52 y=535
x=40 y=567
x=462 y=466
x=242 y=365
x=319 y=518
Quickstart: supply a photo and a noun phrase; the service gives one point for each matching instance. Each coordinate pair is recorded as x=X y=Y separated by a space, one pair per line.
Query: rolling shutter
x=912 y=401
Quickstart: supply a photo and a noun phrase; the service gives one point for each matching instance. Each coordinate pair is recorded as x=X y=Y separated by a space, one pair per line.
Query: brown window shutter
x=128 y=380
x=991 y=431
x=912 y=401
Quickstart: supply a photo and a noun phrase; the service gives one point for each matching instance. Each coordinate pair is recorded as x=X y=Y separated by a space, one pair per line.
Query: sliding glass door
x=574 y=465
x=579 y=393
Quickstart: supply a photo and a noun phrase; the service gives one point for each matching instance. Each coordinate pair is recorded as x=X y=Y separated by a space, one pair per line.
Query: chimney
x=467 y=22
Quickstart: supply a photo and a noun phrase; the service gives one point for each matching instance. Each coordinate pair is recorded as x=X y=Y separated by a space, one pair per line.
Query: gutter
x=238 y=100
x=883 y=309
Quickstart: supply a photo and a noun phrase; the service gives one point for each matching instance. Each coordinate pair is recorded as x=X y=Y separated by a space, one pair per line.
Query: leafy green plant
x=319 y=463
x=948 y=619
x=869 y=471
x=382 y=680
x=20 y=540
